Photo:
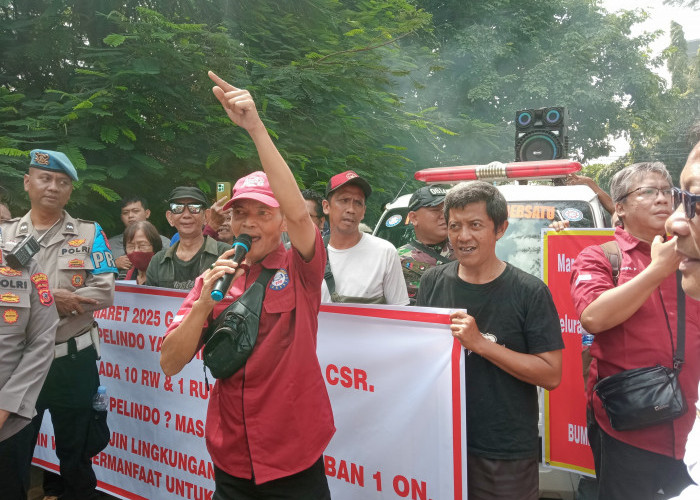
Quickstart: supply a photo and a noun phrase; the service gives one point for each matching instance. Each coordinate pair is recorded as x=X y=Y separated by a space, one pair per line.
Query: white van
x=531 y=207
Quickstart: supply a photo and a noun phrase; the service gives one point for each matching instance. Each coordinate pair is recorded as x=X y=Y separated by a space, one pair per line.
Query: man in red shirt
x=635 y=326
x=267 y=424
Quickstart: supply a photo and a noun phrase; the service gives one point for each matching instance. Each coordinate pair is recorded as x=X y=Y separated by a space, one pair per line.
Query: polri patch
x=77 y=280
x=280 y=280
x=45 y=297
x=8 y=271
x=40 y=280
x=76 y=242
x=10 y=316
x=9 y=298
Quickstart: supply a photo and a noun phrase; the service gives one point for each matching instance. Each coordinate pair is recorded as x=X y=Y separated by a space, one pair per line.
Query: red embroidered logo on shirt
x=77 y=280
x=76 y=263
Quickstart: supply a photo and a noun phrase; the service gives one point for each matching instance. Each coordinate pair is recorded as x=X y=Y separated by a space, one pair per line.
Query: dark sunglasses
x=194 y=208
x=689 y=201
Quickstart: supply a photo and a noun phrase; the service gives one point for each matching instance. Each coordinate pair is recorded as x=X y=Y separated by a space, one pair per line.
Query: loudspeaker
x=541 y=134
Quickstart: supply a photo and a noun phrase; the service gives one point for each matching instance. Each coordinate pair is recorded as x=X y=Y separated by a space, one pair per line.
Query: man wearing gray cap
x=179 y=265
x=79 y=274
x=430 y=247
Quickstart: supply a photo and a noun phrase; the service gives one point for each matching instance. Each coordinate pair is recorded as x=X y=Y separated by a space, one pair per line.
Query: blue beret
x=54 y=161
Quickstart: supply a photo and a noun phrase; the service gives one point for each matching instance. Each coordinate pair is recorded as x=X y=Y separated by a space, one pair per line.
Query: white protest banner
x=394 y=376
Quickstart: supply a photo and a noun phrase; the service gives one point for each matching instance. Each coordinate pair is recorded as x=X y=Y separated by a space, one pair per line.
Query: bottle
x=587 y=339
x=100 y=401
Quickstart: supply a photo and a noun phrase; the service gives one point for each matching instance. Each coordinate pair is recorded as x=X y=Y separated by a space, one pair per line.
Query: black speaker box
x=541 y=134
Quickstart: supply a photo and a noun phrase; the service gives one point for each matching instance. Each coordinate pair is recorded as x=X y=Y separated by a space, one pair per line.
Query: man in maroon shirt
x=635 y=326
x=267 y=424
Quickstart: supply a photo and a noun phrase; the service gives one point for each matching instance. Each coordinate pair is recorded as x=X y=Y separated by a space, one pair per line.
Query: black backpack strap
x=679 y=356
x=613 y=254
x=328 y=273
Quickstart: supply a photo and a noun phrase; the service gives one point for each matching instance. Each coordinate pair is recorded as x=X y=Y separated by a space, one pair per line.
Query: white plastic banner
x=395 y=377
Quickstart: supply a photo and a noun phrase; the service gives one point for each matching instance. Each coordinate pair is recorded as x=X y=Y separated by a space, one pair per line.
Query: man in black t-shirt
x=513 y=339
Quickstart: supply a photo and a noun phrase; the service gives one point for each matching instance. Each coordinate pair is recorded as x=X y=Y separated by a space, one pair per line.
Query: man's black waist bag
x=642 y=397
x=231 y=337
x=634 y=399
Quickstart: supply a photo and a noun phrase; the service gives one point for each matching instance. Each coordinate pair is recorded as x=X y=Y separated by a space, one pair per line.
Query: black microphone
x=242 y=245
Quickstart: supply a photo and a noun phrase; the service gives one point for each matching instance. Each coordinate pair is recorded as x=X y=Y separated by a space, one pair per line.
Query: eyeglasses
x=141 y=247
x=194 y=208
x=689 y=201
x=649 y=193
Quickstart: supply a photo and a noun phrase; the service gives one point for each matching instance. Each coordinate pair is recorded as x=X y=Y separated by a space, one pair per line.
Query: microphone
x=242 y=245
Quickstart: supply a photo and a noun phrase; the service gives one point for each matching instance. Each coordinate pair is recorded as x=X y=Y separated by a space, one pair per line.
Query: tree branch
x=363 y=49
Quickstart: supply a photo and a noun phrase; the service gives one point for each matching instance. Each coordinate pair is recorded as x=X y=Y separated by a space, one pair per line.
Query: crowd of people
x=266 y=439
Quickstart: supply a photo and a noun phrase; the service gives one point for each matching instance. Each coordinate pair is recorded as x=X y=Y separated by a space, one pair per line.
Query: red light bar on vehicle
x=547 y=169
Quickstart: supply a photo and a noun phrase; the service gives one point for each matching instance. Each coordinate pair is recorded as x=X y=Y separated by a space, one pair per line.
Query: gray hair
x=624 y=181
x=465 y=193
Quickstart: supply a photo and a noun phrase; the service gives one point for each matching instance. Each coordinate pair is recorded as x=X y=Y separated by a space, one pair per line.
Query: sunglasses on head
x=688 y=200
x=194 y=208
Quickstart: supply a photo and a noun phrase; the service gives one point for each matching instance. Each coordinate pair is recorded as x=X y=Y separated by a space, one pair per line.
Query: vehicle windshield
x=521 y=244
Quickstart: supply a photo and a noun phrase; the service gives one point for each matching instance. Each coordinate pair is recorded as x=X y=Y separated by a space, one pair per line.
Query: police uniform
x=75 y=256
x=28 y=320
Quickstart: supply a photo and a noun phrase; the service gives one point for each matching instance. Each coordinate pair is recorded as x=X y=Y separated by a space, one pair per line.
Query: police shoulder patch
x=45 y=296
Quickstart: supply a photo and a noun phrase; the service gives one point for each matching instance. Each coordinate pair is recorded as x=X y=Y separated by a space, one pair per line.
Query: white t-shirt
x=369 y=269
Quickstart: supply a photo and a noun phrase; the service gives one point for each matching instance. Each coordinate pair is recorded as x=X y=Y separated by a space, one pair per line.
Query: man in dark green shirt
x=179 y=265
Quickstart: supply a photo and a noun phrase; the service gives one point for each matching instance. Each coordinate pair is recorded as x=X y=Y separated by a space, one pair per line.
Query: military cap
x=427 y=196
x=53 y=161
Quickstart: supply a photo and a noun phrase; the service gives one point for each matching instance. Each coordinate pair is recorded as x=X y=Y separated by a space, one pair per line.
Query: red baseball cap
x=253 y=187
x=346 y=178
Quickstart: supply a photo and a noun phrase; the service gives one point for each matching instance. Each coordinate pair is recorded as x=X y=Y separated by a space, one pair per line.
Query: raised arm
x=240 y=108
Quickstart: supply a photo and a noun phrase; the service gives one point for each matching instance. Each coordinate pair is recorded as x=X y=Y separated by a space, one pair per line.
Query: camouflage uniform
x=417 y=258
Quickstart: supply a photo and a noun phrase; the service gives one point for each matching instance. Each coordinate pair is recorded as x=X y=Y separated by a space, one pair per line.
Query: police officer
x=80 y=270
x=28 y=320
x=430 y=247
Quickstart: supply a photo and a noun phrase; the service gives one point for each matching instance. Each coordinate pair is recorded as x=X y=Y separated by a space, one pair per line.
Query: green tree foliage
x=505 y=55
x=384 y=87
x=122 y=90
x=680 y=115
